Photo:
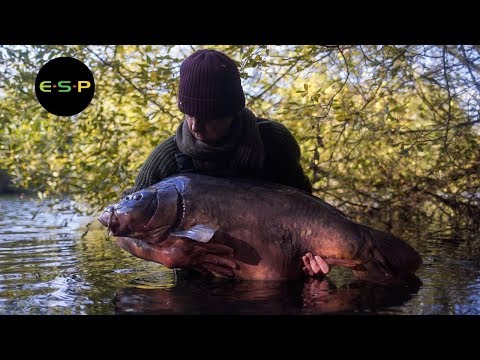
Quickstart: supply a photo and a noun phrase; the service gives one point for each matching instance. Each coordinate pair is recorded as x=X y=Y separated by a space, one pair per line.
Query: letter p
x=82 y=84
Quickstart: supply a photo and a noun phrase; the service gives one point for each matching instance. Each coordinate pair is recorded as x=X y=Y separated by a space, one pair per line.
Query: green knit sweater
x=281 y=165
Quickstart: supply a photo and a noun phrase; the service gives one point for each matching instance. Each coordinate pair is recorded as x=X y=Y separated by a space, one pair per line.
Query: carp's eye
x=127 y=197
x=137 y=196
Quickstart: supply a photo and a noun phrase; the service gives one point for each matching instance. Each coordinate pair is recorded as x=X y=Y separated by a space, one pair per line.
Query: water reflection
x=214 y=296
x=48 y=267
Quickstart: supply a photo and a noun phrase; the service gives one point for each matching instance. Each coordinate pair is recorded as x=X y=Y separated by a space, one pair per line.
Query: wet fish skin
x=269 y=226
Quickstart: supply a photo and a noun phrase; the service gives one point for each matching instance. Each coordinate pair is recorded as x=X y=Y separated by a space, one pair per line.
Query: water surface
x=51 y=264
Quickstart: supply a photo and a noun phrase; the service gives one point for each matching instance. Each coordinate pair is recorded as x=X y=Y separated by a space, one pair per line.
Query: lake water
x=51 y=264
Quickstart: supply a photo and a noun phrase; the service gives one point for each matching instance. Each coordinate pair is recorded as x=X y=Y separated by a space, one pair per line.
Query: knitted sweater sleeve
x=160 y=164
x=282 y=156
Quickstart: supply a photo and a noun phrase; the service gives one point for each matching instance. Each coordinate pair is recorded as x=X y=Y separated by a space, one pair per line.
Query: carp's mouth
x=110 y=220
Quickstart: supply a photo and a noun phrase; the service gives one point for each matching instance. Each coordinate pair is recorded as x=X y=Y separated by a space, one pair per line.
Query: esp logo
x=64 y=86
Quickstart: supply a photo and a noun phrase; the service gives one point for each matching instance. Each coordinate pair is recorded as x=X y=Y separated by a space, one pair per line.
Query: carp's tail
x=389 y=259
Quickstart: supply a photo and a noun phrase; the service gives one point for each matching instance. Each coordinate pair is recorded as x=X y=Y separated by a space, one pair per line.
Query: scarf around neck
x=241 y=151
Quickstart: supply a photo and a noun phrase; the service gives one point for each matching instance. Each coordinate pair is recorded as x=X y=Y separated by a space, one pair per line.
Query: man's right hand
x=176 y=252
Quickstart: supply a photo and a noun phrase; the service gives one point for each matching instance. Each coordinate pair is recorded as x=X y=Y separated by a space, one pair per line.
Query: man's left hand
x=314 y=265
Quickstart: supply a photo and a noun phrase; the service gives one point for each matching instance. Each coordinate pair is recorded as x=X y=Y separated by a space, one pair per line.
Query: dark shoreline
x=6 y=186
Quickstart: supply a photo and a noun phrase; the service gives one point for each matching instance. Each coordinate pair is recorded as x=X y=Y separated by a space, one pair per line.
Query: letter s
x=64 y=85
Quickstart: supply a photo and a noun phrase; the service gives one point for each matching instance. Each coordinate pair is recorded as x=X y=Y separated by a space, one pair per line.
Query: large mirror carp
x=269 y=226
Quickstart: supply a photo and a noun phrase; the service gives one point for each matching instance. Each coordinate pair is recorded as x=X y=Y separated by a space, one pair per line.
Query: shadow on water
x=47 y=267
x=216 y=296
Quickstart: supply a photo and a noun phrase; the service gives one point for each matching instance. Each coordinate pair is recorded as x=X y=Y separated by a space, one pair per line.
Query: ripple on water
x=47 y=267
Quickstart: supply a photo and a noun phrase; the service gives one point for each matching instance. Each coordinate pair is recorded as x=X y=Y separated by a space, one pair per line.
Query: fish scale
x=269 y=226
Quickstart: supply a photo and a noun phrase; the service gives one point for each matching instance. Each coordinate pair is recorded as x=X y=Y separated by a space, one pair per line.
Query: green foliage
x=388 y=133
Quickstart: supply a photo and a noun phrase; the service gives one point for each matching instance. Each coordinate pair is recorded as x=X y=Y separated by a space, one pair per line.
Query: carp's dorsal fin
x=200 y=232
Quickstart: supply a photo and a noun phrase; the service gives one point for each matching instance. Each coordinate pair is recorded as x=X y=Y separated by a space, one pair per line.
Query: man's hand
x=315 y=265
x=184 y=253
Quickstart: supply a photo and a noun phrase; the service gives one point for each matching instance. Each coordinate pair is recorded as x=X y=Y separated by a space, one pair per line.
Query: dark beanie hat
x=210 y=85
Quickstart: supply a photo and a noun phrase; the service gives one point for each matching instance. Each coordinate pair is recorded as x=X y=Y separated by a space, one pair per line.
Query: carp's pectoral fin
x=200 y=232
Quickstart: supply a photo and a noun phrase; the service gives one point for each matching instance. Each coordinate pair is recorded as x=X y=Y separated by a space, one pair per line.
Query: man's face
x=210 y=131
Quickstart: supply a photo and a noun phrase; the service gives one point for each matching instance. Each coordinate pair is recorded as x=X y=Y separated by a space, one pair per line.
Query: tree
x=389 y=134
